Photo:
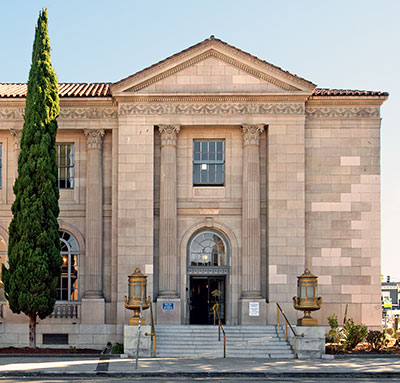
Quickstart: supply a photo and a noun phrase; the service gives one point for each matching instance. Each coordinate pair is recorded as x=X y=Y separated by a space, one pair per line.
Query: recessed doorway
x=205 y=292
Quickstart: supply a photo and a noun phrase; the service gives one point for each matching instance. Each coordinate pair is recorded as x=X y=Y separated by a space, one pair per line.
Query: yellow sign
x=387 y=302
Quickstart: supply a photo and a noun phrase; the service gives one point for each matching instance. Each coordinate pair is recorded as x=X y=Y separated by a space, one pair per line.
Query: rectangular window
x=66 y=165
x=208 y=163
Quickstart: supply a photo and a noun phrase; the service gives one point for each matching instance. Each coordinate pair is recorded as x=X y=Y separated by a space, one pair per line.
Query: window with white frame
x=66 y=165
x=67 y=289
x=208 y=162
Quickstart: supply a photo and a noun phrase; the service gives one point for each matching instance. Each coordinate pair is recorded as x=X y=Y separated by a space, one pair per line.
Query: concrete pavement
x=76 y=365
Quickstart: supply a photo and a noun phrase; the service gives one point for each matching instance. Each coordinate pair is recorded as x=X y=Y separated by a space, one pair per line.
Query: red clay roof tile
x=65 y=89
x=103 y=90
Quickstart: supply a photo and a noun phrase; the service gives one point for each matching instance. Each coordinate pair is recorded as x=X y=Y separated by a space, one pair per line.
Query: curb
x=211 y=374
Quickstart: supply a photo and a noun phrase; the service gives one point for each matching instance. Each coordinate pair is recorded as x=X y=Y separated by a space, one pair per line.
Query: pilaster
x=168 y=256
x=251 y=227
x=94 y=214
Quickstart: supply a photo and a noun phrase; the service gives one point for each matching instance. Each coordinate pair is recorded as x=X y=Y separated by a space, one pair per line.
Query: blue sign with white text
x=168 y=305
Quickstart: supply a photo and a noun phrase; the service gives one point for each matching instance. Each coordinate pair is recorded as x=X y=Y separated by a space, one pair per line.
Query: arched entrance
x=208 y=273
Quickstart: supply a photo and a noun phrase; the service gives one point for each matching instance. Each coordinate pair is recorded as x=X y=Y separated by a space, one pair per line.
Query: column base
x=131 y=338
x=168 y=310
x=93 y=311
x=253 y=311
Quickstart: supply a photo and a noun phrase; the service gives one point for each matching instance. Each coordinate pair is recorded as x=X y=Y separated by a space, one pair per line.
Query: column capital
x=17 y=134
x=169 y=134
x=94 y=138
x=251 y=134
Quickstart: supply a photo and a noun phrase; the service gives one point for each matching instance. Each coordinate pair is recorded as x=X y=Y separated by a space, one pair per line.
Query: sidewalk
x=109 y=365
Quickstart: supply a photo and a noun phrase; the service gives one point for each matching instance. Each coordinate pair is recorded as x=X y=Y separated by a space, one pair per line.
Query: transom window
x=66 y=165
x=207 y=248
x=209 y=163
x=67 y=289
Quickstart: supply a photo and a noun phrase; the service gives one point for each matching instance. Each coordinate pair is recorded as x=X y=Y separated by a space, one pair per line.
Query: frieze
x=12 y=114
x=210 y=109
x=65 y=113
x=343 y=112
x=88 y=113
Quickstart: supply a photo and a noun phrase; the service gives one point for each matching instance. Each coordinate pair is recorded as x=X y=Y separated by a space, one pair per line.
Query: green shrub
x=118 y=348
x=353 y=334
x=376 y=340
x=335 y=334
x=396 y=335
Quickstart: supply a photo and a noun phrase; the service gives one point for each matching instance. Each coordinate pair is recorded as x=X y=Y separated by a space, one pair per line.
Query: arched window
x=67 y=289
x=207 y=248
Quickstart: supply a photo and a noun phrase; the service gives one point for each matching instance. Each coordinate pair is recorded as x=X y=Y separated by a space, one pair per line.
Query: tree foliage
x=34 y=257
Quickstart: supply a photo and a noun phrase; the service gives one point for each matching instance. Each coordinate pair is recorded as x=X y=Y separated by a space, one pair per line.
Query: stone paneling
x=343 y=214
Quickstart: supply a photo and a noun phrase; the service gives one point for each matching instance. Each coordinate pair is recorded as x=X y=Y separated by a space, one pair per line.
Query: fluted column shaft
x=168 y=274
x=251 y=229
x=94 y=214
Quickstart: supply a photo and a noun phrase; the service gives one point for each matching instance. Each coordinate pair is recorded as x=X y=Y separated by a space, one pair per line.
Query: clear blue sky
x=351 y=44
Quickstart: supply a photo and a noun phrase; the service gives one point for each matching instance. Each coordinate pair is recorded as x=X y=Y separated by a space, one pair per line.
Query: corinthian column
x=94 y=214
x=251 y=253
x=168 y=273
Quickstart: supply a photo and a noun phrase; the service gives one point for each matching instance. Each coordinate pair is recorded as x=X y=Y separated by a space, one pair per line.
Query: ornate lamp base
x=134 y=321
x=307 y=321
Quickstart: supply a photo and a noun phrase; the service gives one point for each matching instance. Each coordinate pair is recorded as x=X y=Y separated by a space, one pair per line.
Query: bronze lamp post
x=307 y=299
x=137 y=295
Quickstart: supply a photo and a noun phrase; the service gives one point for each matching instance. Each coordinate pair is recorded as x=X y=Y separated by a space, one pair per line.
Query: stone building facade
x=222 y=177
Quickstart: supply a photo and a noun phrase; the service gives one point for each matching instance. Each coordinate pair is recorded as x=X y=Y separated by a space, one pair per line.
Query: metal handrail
x=286 y=328
x=220 y=326
x=153 y=329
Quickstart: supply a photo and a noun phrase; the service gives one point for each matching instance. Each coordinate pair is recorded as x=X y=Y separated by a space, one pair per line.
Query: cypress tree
x=34 y=259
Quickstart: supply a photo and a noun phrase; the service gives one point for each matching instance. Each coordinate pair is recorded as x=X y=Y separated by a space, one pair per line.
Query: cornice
x=299 y=97
x=344 y=101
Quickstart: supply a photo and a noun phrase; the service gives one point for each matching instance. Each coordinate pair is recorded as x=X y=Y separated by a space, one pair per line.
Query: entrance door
x=205 y=292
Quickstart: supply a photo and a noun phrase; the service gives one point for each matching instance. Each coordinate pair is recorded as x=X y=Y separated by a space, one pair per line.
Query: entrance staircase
x=241 y=342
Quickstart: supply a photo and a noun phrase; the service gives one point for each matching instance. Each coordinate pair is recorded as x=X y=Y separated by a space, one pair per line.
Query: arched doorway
x=208 y=272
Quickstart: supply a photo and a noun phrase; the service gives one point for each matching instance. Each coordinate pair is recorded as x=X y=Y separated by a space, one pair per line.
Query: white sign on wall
x=254 y=309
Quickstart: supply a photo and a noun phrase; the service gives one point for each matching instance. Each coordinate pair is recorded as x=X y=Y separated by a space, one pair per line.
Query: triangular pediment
x=211 y=67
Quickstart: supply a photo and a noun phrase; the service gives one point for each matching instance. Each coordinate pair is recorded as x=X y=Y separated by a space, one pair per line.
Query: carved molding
x=343 y=112
x=94 y=138
x=169 y=134
x=213 y=109
x=17 y=134
x=88 y=113
x=65 y=113
x=251 y=134
x=12 y=113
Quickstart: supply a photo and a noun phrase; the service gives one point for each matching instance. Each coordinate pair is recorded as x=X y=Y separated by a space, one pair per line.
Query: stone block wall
x=343 y=214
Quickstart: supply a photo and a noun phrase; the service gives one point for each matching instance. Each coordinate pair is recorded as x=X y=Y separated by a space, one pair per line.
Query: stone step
x=202 y=341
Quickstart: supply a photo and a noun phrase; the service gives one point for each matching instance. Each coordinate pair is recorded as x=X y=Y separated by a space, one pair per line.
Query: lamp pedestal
x=131 y=334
